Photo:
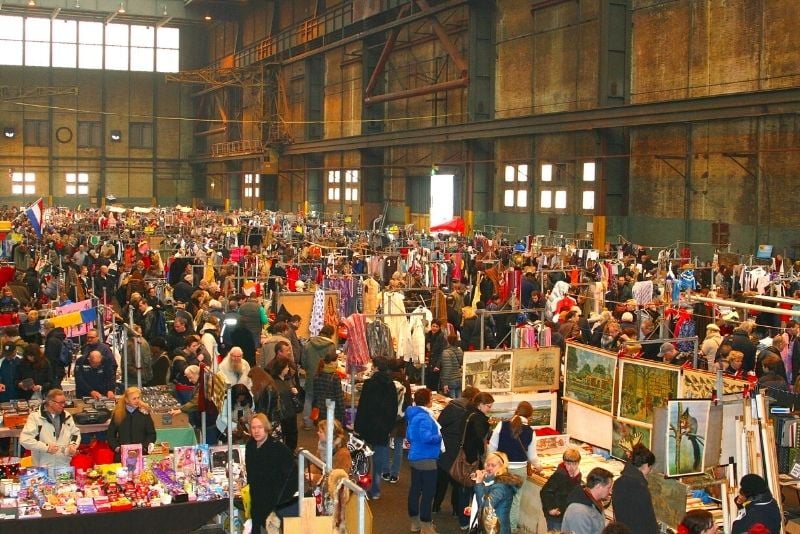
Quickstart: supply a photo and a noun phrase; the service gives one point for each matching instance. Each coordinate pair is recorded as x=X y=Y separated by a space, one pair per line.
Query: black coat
x=42 y=376
x=452 y=419
x=52 y=349
x=556 y=490
x=471 y=334
x=632 y=503
x=741 y=342
x=271 y=474
x=761 y=509
x=476 y=435
x=135 y=427
x=377 y=409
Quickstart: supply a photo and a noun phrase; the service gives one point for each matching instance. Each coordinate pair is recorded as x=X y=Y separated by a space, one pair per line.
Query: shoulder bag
x=462 y=471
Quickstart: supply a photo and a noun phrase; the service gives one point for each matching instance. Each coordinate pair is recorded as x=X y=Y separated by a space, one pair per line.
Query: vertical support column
x=314 y=81
x=482 y=54
x=315 y=185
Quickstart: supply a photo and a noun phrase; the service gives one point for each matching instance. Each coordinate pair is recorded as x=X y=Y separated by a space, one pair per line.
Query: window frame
x=140 y=135
x=36 y=133
x=516 y=187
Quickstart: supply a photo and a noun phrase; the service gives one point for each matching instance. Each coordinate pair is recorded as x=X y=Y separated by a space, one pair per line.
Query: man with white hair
x=235 y=369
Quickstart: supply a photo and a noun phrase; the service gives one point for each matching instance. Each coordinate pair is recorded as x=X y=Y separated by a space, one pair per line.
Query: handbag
x=299 y=400
x=461 y=471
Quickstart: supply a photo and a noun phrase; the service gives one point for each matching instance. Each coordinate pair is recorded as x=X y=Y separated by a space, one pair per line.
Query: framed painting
x=536 y=369
x=544 y=407
x=487 y=370
x=589 y=377
x=626 y=435
x=645 y=386
x=551 y=444
x=687 y=430
x=702 y=384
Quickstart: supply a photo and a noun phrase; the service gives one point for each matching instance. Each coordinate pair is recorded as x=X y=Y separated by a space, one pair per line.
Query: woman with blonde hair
x=495 y=488
x=341 y=454
x=269 y=472
x=514 y=438
x=131 y=423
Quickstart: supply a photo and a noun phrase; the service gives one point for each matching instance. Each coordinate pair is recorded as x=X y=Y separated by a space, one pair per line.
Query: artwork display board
x=589 y=425
x=535 y=369
x=702 y=384
x=302 y=303
x=544 y=407
x=669 y=498
x=590 y=377
x=551 y=444
x=645 y=386
x=487 y=370
x=626 y=435
x=686 y=436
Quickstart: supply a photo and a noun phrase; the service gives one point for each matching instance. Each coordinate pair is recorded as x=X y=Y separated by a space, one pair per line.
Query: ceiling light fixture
x=165 y=10
x=121 y=8
x=31 y=2
x=9 y=132
x=207 y=17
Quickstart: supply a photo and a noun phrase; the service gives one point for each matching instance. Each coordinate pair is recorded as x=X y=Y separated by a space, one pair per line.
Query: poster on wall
x=589 y=377
x=644 y=387
x=687 y=429
x=487 y=370
x=626 y=435
x=536 y=369
x=702 y=384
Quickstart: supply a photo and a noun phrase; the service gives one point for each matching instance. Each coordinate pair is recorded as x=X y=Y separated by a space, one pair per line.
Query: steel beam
x=720 y=107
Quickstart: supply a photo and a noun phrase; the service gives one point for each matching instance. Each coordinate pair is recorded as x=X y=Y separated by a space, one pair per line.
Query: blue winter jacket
x=423 y=434
x=501 y=493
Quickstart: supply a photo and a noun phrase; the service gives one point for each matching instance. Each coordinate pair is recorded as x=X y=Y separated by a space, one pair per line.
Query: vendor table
x=178 y=518
x=179 y=433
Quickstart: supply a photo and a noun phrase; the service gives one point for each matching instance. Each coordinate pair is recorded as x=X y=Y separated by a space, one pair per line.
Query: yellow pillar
x=599 y=232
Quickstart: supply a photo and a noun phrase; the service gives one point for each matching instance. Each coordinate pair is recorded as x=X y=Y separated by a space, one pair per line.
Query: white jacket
x=39 y=433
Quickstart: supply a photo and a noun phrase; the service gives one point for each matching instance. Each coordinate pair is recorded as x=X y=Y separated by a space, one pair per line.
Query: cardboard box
x=790 y=494
x=320 y=524
x=792 y=527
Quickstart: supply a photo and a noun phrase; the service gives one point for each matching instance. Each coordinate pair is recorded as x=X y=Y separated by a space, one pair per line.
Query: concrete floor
x=390 y=514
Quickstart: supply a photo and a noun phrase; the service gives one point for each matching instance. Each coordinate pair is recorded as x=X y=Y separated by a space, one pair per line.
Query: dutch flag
x=35 y=214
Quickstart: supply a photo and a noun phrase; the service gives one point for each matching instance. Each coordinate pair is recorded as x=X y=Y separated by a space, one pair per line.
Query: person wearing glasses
x=51 y=433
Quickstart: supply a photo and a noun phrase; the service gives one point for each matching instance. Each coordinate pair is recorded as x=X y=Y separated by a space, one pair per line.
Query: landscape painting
x=645 y=386
x=687 y=428
x=702 y=384
x=626 y=436
x=589 y=377
x=487 y=370
x=536 y=369
x=544 y=408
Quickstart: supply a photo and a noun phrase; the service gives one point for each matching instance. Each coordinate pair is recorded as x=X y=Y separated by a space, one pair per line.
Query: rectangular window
x=168 y=42
x=561 y=200
x=11 y=29
x=546 y=199
x=65 y=43
x=142 y=48
x=77 y=183
x=334 y=185
x=252 y=186
x=515 y=183
x=37 y=42
x=37 y=132
x=351 y=187
x=547 y=172
x=90 y=45
x=140 y=135
x=89 y=134
x=116 y=47
x=23 y=183
x=588 y=200
x=588 y=171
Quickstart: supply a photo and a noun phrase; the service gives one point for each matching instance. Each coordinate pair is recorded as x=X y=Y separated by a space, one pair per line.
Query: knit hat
x=712 y=326
x=751 y=485
x=665 y=348
x=627 y=317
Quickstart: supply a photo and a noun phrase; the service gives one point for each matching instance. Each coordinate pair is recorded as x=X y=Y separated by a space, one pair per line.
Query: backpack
x=67 y=350
x=159 y=324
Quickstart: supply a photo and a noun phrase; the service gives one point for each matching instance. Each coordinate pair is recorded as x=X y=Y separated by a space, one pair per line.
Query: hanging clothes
x=371 y=292
x=379 y=340
x=394 y=310
x=356 y=348
x=317 y=320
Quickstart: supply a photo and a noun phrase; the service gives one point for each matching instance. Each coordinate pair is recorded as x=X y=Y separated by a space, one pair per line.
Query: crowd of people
x=193 y=323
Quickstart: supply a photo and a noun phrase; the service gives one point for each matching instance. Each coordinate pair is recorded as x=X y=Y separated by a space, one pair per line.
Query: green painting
x=589 y=377
x=645 y=386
